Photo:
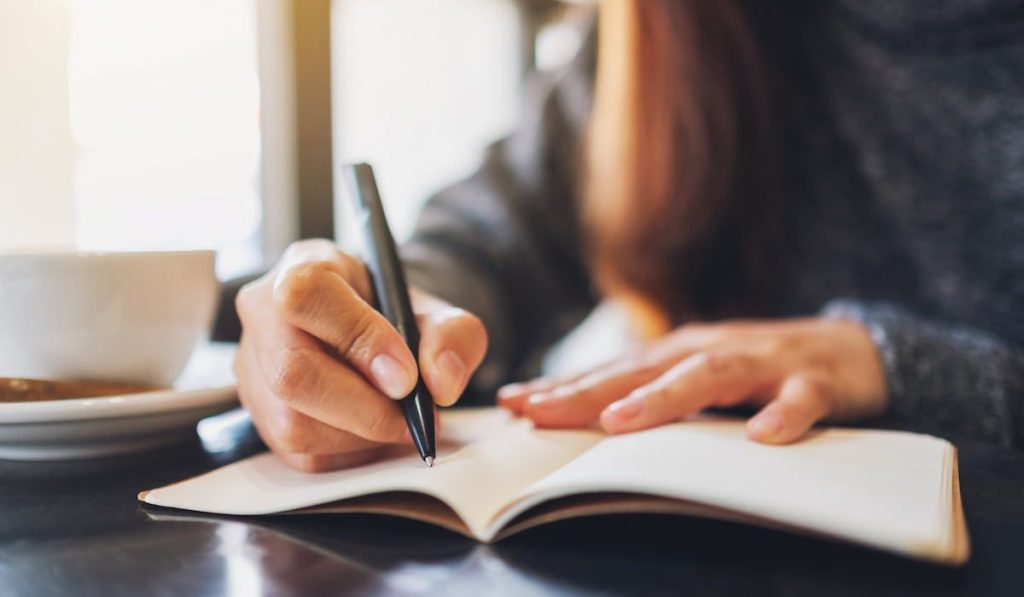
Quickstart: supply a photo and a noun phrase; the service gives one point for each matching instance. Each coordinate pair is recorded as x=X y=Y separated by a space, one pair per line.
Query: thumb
x=453 y=343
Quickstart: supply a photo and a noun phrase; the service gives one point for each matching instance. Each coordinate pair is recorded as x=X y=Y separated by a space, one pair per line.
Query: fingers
x=601 y=385
x=286 y=430
x=318 y=250
x=310 y=358
x=579 y=403
x=312 y=383
x=803 y=370
x=303 y=442
x=290 y=432
x=801 y=402
x=704 y=379
x=514 y=396
x=318 y=298
x=452 y=345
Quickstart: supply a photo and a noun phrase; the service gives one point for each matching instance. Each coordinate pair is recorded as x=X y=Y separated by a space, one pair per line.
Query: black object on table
x=75 y=528
x=391 y=295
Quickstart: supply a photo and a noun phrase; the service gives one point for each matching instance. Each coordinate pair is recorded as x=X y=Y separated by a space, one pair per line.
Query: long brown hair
x=677 y=165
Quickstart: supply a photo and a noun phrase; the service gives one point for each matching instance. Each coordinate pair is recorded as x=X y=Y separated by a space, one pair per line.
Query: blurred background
x=164 y=124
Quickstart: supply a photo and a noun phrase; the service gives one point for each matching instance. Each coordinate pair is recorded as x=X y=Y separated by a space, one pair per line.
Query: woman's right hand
x=320 y=370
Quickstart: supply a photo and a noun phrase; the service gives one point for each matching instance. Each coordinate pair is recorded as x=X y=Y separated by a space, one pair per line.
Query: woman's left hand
x=798 y=372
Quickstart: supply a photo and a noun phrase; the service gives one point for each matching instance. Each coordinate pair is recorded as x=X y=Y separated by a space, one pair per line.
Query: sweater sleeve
x=957 y=379
x=505 y=244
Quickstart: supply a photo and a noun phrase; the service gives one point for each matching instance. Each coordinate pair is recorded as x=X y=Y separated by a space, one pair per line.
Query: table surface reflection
x=75 y=528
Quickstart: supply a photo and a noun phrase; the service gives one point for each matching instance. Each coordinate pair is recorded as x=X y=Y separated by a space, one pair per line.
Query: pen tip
x=429 y=460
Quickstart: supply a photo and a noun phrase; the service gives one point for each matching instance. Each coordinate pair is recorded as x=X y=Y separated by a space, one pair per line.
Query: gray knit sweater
x=909 y=209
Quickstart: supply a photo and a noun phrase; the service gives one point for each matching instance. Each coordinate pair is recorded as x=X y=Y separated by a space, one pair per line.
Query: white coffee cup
x=131 y=317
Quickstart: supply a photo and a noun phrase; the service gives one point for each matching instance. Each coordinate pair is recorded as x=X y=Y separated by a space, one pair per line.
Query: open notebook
x=496 y=475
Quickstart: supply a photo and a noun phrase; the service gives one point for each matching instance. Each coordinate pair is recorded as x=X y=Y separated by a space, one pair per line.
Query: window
x=421 y=87
x=165 y=111
x=131 y=126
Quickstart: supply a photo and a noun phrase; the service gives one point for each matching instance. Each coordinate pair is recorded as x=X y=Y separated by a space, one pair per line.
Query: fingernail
x=627 y=408
x=452 y=369
x=766 y=426
x=390 y=376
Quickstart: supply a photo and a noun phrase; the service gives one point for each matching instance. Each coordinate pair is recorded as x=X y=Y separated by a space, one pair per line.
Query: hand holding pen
x=391 y=298
x=322 y=372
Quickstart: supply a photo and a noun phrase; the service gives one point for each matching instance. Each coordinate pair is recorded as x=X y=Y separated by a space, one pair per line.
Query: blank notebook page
x=876 y=487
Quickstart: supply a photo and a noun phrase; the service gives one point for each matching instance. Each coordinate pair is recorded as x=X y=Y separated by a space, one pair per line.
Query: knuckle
x=784 y=345
x=294 y=374
x=299 y=290
x=724 y=362
x=361 y=338
x=349 y=265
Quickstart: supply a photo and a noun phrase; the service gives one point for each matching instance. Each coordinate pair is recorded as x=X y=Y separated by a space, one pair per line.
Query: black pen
x=392 y=298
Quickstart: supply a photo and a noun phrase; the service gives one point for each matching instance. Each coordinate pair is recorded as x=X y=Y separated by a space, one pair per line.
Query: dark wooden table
x=75 y=528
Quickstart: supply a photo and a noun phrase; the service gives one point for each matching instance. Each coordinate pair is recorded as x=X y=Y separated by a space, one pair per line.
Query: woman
x=811 y=209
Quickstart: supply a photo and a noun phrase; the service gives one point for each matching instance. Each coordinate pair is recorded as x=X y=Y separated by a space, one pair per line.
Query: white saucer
x=94 y=427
